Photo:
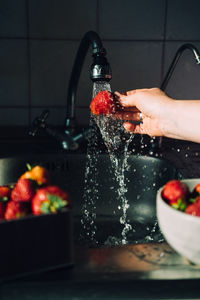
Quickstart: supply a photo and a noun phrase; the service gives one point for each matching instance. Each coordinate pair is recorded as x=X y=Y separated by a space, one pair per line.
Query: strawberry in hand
x=104 y=104
x=175 y=193
x=50 y=199
x=23 y=191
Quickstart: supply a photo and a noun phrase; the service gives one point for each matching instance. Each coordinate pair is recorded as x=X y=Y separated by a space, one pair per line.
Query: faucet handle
x=39 y=122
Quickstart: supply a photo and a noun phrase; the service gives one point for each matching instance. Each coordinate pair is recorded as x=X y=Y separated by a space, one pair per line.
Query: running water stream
x=117 y=142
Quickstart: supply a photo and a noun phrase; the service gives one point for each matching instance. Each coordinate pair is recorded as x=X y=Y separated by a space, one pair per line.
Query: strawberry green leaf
x=4 y=199
x=193 y=200
x=45 y=207
x=181 y=205
x=175 y=205
x=56 y=201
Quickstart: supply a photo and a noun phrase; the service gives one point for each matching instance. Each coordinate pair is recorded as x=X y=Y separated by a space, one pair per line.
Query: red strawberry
x=38 y=173
x=15 y=210
x=103 y=104
x=196 y=191
x=5 y=192
x=2 y=210
x=176 y=192
x=50 y=199
x=23 y=191
x=194 y=208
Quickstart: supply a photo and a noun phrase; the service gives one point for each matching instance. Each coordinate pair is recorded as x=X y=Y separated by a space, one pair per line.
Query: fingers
x=128 y=100
x=133 y=128
x=130 y=115
x=130 y=127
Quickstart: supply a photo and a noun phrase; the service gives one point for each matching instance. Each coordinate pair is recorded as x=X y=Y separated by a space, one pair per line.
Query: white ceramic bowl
x=181 y=230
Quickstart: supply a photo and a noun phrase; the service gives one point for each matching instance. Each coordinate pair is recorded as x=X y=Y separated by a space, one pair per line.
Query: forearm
x=183 y=120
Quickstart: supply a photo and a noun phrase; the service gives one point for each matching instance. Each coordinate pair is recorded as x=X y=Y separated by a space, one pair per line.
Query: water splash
x=91 y=189
x=117 y=142
x=100 y=86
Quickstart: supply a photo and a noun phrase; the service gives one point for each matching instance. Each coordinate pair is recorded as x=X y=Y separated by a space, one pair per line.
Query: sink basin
x=145 y=175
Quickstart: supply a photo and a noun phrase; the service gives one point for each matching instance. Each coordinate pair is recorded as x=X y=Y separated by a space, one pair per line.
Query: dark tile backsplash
x=13 y=72
x=63 y=19
x=183 y=20
x=128 y=19
x=14 y=116
x=13 y=18
x=51 y=64
x=135 y=64
x=39 y=40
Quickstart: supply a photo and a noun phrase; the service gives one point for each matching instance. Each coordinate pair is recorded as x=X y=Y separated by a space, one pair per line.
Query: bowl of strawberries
x=178 y=214
x=35 y=221
x=33 y=193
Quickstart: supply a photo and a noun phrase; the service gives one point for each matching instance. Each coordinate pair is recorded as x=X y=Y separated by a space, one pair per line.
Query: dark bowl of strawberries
x=35 y=225
x=178 y=214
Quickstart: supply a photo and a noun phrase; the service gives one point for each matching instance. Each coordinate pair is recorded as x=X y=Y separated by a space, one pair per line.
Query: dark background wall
x=39 y=40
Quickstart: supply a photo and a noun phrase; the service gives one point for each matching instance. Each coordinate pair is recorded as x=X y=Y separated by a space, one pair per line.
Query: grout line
x=105 y=39
x=97 y=16
x=33 y=106
x=164 y=42
x=29 y=61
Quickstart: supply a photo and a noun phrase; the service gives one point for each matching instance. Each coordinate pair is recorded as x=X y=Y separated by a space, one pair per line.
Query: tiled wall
x=39 y=40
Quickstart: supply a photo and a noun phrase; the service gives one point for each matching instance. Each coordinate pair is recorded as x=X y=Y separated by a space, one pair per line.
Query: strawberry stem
x=28 y=166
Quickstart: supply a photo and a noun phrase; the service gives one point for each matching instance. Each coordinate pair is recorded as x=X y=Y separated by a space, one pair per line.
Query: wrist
x=168 y=124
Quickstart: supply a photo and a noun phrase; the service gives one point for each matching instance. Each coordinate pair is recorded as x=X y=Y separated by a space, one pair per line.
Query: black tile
x=56 y=115
x=51 y=65
x=13 y=116
x=61 y=18
x=130 y=19
x=183 y=20
x=185 y=80
x=82 y=116
x=13 y=18
x=13 y=72
x=134 y=64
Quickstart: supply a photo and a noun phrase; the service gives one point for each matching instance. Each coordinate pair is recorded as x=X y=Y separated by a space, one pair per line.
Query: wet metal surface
x=130 y=262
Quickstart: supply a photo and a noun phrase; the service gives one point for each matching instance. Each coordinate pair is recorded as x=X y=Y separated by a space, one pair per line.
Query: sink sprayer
x=100 y=71
x=187 y=46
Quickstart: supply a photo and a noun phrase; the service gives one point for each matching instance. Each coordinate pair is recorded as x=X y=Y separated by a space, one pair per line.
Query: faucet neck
x=99 y=68
x=176 y=59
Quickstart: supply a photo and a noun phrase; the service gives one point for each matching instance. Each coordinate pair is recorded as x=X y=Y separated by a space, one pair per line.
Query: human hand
x=152 y=103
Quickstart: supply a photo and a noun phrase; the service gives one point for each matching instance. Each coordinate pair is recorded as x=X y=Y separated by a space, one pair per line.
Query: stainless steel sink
x=143 y=178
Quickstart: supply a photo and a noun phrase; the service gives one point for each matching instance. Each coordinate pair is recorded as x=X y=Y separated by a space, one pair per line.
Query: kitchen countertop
x=141 y=271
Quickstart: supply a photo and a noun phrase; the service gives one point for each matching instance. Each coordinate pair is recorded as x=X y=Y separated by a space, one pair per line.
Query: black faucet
x=100 y=71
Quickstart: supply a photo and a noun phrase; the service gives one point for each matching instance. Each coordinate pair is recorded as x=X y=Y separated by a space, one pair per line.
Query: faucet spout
x=100 y=70
x=176 y=59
